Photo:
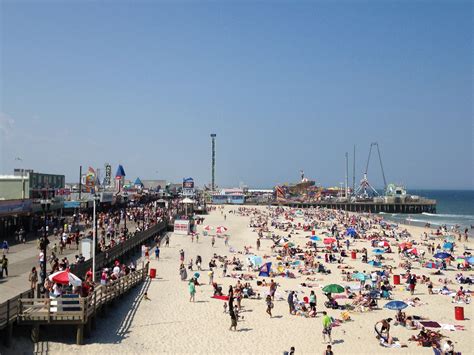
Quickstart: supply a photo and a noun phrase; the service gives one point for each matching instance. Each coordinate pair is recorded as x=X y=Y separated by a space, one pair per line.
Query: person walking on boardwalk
x=192 y=290
x=33 y=278
x=4 y=263
x=157 y=252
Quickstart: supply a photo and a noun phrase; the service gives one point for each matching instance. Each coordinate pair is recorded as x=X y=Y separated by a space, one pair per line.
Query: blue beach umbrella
x=447 y=245
x=396 y=305
x=378 y=251
x=360 y=276
x=374 y=263
x=315 y=238
x=351 y=232
x=442 y=255
x=470 y=260
x=196 y=275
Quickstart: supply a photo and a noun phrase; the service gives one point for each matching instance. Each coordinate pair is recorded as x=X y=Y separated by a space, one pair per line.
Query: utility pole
x=213 y=168
x=347 y=175
x=354 y=171
x=80 y=182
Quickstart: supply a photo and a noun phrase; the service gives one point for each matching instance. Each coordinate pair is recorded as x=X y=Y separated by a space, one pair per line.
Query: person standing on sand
x=233 y=319
x=291 y=303
x=273 y=287
x=213 y=241
x=327 y=327
x=192 y=290
x=328 y=351
x=412 y=283
x=269 y=302
x=312 y=302
x=258 y=243
x=224 y=269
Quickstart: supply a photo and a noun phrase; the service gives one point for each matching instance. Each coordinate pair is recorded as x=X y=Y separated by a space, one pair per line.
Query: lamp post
x=94 y=235
x=45 y=205
x=125 y=199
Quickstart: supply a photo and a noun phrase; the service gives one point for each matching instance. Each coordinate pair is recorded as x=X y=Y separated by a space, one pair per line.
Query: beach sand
x=169 y=323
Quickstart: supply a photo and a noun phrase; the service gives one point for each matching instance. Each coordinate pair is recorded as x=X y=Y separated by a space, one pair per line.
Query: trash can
x=459 y=313
x=396 y=279
x=152 y=273
x=353 y=255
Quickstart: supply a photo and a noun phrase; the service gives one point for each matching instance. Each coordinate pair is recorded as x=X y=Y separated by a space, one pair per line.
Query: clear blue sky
x=286 y=85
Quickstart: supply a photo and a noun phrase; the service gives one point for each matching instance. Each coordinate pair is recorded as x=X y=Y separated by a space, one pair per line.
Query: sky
x=285 y=85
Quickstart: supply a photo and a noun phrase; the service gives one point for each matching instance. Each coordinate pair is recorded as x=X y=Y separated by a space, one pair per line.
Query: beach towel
x=452 y=327
x=386 y=345
x=223 y=298
x=430 y=324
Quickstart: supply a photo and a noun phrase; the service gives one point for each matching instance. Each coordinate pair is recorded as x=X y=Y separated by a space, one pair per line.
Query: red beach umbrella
x=221 y=229
x=65 y=277
x=329 y=240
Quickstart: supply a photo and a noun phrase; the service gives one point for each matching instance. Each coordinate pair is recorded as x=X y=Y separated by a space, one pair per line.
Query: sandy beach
x=169 y=323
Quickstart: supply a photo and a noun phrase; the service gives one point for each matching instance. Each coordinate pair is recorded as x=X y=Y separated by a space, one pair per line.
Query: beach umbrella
x=413 y=251
x=374 y=263
x=65 y=277
x=383 y=243
x=315 y=238
x=207 y=228
x=221 y=229
x=405 y=245
x=447 y=245
x=470 y=260
x=378 y=251
x=256 y=260
x=396 y=305
x=351 y=231
x=460 y=260
x=329 y=240
x=442 y=255
x=431 y=265
x=196 y=275
x=360 y=276
x=333 y=288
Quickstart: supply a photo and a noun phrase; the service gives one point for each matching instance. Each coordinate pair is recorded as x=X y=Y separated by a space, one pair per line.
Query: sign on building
x=181 y=227
x=108 y=175
x=188 y=187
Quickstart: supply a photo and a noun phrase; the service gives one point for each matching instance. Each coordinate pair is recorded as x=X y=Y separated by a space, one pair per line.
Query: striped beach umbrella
x=221 y=229
x=207 y=228
x=65 y=277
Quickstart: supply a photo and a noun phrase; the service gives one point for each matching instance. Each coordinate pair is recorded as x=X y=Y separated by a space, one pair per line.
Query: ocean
x=454 y=207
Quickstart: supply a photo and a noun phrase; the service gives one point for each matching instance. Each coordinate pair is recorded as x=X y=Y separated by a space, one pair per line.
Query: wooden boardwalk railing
x=9 y=309
x=72 y=309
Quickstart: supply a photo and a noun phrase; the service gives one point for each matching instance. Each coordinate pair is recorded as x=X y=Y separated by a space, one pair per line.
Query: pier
x=75 y=310
x=411 y=207
x=25 y=309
